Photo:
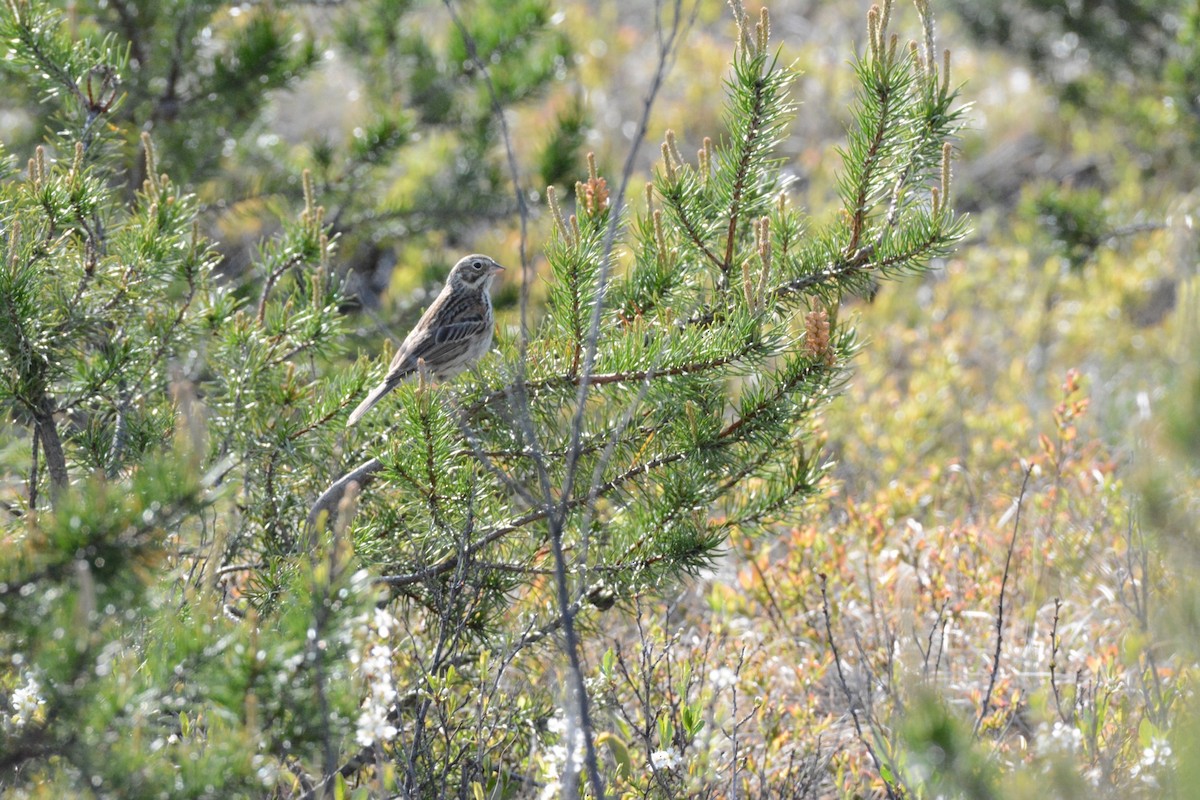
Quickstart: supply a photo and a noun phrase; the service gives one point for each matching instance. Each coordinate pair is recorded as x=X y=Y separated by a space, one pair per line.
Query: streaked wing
x=446 y=344
x=443 y=336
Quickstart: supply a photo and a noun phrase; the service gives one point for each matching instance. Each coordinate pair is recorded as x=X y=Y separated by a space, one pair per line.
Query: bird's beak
x=497 y=268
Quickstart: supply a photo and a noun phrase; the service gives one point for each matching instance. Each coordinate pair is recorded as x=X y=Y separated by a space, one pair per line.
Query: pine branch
x=47 y=434
x=839 y=272
x=522 y=522
x=749 y=147
x=870 y=162
x=781 y=390
x=674 y=198
x=605 y=379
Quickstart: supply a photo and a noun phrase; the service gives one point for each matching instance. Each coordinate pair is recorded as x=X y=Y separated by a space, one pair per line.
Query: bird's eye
x=478 y=265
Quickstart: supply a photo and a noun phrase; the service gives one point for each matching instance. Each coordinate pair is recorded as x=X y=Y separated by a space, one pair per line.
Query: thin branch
x=987 y=696
x=1055 y=642
x=587 y=379
x=33 y=471
x=521 y=396
x=927 y=651
x=693 y=232
x=754 y=134
x=497 y=533
x=850 y=699
x=274 y=276
x=815 y=369
x=859 y=262
x=225 y=570
x=327 y=503
x=870 y=161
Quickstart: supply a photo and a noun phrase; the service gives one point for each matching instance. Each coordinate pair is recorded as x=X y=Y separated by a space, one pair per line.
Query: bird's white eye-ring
x=477 y=265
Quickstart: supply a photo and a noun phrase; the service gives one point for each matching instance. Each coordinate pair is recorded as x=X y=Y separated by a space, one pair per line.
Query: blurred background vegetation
x=1021 y=433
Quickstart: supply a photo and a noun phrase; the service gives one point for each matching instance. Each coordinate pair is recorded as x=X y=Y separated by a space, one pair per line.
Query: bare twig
x=927 y=650
x=995 y=671
x=1055 y=642
x=851 y=701
x=1137 y=577
x=519 y=395
x=228 y=568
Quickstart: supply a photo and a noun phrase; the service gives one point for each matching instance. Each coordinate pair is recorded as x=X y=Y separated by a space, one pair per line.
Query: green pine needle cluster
x=172 y=426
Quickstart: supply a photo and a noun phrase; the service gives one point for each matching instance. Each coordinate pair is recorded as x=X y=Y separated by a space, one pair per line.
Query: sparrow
x=453 y=333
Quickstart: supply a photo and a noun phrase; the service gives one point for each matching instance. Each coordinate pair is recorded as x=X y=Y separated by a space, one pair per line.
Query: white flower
x=722 y=678
x=383 y=692
x=1061 y=738
x=26 y=700
x=557 y=754
x=376 y=668
x=384 y=622
x=378 y=659
x=1157 y=754
x=373 y=726
x=266 y=769
x=664 y=759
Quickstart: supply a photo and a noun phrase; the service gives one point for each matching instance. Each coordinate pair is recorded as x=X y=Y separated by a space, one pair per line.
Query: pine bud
x=816 y=337
x=560 y=224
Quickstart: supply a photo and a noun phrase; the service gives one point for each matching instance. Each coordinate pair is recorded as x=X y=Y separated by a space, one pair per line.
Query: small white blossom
x=1155 y=756
x=375 y=666
x=556 y=757
x=722 y=678
x=557 y=724
x=664 y=759
x=384 y=622
x=26 y=700
x=557 y=754
x=1060 y=738
x=266 y=769
x=373 y=726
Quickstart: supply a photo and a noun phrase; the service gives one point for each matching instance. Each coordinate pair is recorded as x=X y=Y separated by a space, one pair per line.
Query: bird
x=453 y=333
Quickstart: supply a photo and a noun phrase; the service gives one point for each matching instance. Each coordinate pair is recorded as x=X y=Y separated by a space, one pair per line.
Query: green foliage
x=1075 y=220
x=74 y=275
x=1183 y=70
x=115 y=330
x=695 y=386
x=1120 y=37
x=1131 y=62
x=425 y=167
x=943 y=751
x=157 y=65
x=171 y=622
x=207 y=78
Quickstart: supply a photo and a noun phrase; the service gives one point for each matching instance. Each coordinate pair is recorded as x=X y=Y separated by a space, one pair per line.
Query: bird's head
x=474 y=272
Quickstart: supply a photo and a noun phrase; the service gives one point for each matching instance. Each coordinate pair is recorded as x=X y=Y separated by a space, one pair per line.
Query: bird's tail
x=366 y=405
